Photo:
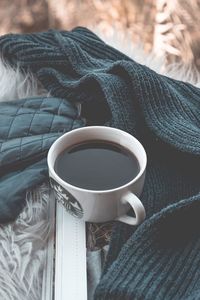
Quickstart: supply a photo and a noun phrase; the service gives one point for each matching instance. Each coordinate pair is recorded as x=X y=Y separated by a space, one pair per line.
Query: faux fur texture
x=16 y=85
x=23 y=249
x=23 y=244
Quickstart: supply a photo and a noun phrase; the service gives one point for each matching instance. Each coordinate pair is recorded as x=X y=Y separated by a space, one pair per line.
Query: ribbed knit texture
x=159 y=259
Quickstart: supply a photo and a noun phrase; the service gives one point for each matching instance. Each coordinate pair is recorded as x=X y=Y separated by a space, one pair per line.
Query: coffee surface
x=97 y=165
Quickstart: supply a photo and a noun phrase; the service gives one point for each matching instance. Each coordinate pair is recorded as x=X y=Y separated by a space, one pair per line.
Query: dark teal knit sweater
x=160 y=259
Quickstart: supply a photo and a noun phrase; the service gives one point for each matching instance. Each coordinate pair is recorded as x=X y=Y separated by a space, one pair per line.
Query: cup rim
x=65 y=183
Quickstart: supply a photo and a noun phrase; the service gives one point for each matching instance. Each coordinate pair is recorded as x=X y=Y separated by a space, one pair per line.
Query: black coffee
x=97 y=165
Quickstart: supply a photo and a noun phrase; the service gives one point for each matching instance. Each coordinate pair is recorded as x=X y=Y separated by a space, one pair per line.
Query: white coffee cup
x=102 y=205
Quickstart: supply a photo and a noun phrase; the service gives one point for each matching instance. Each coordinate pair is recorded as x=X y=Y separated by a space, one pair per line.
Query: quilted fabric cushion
x=28 y=127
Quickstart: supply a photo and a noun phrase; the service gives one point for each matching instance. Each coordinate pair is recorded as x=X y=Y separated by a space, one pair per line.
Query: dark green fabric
x=160 y=258
x=28 y=127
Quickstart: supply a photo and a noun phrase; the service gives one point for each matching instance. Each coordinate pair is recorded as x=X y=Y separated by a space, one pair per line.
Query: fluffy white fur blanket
x=23 y=244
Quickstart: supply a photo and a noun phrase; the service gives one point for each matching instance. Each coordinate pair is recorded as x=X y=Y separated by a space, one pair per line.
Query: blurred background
x=169 y=28
x=108 y=15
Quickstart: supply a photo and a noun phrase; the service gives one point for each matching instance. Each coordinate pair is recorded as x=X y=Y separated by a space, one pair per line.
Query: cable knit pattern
x=159 y=259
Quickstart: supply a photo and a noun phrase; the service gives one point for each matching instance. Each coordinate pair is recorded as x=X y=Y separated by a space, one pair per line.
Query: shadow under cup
x=100 y=205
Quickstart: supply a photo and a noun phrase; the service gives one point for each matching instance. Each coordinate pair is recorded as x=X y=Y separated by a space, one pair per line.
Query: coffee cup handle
x=138 y=208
